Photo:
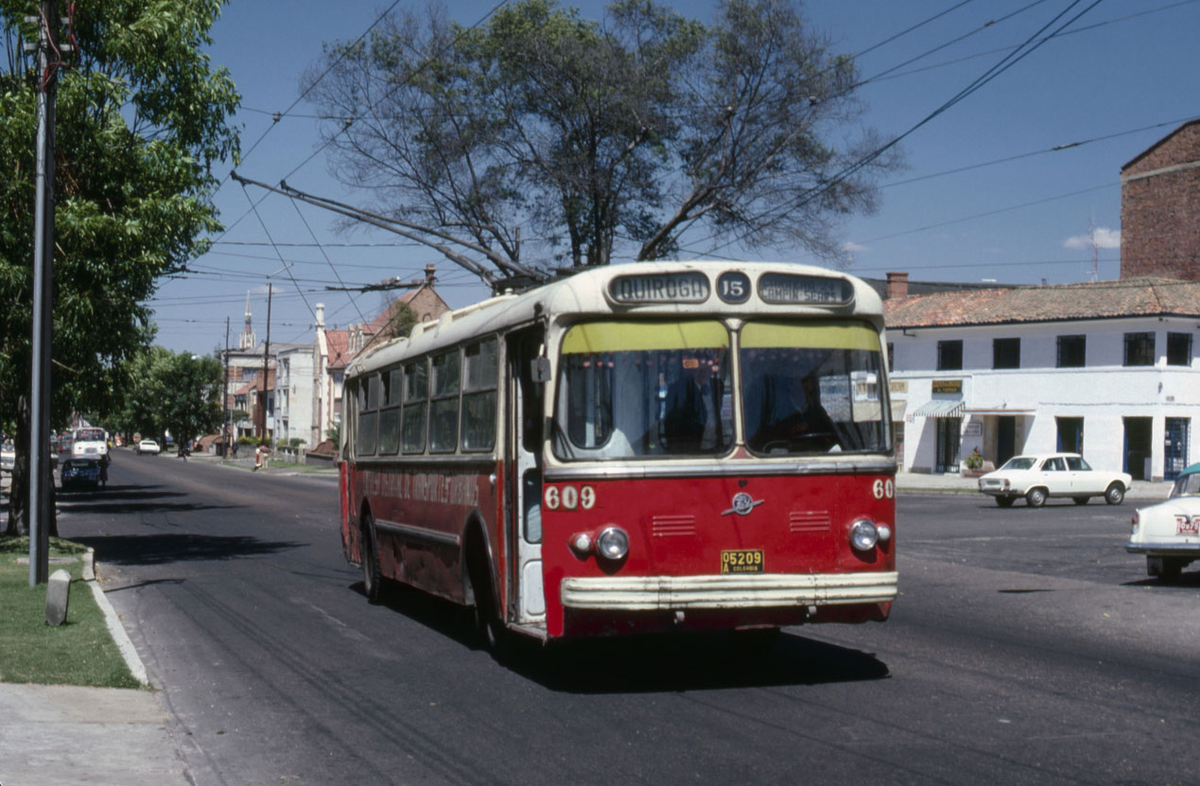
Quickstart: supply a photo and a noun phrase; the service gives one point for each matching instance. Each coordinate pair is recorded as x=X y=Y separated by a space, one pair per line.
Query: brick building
x=1160 y=208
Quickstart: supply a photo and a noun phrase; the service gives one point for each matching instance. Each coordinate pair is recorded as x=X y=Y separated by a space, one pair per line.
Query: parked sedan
x=1038 y=477
x=1169 y=533
x=146 y=446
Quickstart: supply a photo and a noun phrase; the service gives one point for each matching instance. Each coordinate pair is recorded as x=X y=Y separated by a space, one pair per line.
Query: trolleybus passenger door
x=526 y=372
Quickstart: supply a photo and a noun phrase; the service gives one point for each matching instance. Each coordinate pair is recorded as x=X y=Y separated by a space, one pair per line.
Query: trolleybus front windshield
x=644 y=389
x=658 y=389
x=812 y=387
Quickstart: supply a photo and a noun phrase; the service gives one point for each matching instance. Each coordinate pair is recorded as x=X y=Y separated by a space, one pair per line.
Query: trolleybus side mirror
x=540 y=369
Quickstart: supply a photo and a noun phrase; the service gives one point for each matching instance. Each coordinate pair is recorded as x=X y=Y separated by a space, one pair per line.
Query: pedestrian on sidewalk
x=259 y=460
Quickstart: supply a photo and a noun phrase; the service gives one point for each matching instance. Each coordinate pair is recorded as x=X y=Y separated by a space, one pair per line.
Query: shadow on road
x=117 y=500
x=164 y=549
x=647 y=664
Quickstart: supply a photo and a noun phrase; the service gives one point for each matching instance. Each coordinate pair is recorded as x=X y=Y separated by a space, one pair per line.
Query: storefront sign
x=947 y=386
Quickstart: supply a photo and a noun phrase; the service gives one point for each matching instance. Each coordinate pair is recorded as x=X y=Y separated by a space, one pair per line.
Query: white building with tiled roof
x=1105 y=369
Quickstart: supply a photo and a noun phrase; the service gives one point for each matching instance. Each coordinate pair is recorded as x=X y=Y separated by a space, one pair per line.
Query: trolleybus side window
x=368 y=417
x=416 y=405
x=445 y=371
x=480 y=378
x=389 y=416
x=812 y=387
x=644 y=389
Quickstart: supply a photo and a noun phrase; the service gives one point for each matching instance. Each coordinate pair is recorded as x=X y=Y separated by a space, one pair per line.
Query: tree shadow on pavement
x=166 y=548
x=118 y=500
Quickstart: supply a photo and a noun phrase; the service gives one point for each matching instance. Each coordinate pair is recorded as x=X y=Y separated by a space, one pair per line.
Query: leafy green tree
x=192 y=406
x=621 y=136
x=141 y=117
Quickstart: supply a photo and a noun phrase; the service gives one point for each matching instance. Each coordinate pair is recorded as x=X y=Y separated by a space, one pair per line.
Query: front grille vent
x=802 y=521
x=673 y=526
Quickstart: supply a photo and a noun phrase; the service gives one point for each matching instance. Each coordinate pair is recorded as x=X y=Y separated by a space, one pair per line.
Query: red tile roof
x=338 y=344
x=1100 y=300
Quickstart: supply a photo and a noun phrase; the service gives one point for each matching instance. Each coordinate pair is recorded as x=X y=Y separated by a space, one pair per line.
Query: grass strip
x=78 y=652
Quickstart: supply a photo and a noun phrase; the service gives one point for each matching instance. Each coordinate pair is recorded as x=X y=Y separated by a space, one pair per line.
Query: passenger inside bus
x=691 y=423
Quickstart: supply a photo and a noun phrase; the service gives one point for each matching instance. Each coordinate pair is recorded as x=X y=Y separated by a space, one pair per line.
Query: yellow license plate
x=742 y=561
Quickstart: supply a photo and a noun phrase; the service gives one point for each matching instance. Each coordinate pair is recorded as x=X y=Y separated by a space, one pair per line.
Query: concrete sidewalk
x=96 y=736
x=65 y=734
x=100 y=736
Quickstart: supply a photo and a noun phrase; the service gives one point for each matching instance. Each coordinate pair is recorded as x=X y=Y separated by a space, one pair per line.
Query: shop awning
x=940 y=408
x=998 y=411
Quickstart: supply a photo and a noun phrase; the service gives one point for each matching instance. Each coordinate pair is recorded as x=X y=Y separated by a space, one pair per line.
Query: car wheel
x=1080 y=500
x=1171 y=568
x=1114 y=494
x=372 y=578
x=1035 y=498
x=1005 y=502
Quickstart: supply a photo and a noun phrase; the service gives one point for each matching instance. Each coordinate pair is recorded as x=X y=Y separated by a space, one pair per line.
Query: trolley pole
x=40 y=477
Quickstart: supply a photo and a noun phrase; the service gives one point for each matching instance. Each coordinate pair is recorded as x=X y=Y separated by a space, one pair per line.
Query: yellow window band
x=817 y=334
x=634 y=336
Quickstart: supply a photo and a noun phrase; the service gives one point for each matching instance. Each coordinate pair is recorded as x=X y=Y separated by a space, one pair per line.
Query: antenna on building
x=1095 y=250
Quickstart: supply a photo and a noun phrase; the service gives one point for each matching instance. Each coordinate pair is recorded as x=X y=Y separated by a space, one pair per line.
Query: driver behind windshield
x=790 y=414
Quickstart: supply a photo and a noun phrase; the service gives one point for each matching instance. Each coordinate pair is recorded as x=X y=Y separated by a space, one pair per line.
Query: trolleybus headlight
x=613 y=543
x=885 y=533
x=863 y=535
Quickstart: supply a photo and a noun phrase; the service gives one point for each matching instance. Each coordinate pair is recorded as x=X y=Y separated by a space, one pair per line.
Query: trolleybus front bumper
x=728 y=592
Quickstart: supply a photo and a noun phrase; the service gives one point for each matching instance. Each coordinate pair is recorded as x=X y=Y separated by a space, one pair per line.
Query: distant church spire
x=247 y=340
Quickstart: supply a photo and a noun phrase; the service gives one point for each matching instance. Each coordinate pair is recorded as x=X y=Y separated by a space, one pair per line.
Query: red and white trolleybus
x=636 y=448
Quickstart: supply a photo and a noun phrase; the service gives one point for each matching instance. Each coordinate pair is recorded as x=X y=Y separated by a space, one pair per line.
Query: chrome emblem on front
x=743 y=503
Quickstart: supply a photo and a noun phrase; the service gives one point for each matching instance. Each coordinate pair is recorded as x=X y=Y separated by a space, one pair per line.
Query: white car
x=1169 y=533
x=1038 y=477
x=146 y=446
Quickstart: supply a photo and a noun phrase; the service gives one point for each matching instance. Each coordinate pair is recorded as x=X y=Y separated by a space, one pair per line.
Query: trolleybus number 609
x=570 y=498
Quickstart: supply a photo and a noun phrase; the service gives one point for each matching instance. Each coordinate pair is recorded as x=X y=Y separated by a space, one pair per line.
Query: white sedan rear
x=1039 y=477
x=147 y=446
x=1169 y=533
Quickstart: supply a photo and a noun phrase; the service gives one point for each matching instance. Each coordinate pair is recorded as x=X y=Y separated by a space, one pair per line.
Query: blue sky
x=985 y=196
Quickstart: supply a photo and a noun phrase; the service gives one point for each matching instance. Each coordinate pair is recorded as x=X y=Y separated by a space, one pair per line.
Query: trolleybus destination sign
x=660 y=288
x=786 y=288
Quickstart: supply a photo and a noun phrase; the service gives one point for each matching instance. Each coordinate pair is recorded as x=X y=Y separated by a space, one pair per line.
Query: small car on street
x=1041 y=476
x=76 y=473
x=1169 y=533
x=147 y=446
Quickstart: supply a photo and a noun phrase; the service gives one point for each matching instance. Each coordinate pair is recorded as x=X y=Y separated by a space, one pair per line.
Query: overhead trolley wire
x=1031 y=44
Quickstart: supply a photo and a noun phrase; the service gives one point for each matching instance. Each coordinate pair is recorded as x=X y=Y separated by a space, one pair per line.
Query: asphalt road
x=1026 y=647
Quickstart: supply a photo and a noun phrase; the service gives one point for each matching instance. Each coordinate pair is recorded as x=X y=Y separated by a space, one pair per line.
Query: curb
x=115 y=628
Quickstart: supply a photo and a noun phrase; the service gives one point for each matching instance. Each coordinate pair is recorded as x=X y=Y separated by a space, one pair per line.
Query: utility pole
x=266 y=355
x=40 y=478
x=225 y=398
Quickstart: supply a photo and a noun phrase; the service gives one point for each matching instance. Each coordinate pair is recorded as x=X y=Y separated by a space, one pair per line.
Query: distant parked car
x=8 y=456
x=80 y=472
x=1039 y=477
x=1169 y=533
x=147 y=446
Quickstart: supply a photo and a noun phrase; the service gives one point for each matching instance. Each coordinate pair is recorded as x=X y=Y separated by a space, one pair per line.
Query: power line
x=1031 y=44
